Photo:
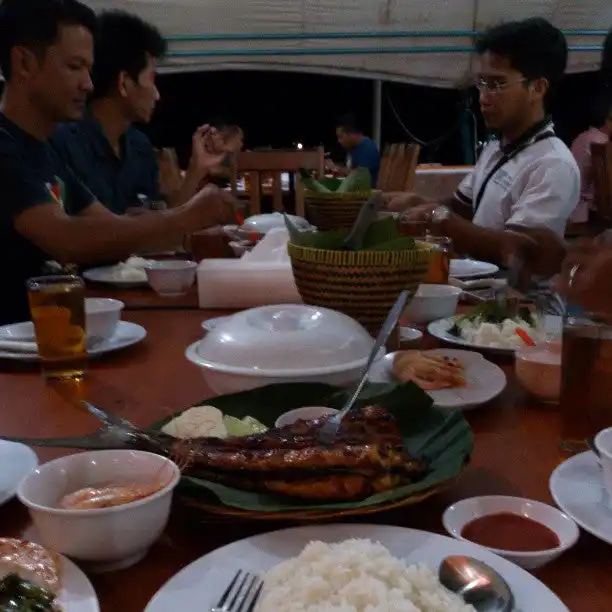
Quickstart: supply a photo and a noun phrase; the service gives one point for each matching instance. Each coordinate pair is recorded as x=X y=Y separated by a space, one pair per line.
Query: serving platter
x=442 y=436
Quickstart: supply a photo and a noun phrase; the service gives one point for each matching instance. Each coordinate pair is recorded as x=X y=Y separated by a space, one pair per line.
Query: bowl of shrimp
x=104 y=508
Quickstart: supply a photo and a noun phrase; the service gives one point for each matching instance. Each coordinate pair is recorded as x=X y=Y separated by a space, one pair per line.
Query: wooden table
x=516 y=450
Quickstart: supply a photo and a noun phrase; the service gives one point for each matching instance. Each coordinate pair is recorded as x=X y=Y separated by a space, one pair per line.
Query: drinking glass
x=57 y=306
x=586 y=380
x=439 y=267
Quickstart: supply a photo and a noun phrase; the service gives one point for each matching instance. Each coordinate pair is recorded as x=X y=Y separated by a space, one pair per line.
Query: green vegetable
x=492 y=312
x=358 y=181
x=254 y=424
x=18 y=595
x=312 y=184
x=245 y=427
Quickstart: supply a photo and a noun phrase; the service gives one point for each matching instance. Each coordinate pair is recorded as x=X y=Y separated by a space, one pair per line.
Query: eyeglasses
x=495 y=85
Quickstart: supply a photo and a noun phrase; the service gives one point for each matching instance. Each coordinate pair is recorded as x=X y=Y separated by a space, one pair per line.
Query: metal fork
x=328 y=432
x=241 y=594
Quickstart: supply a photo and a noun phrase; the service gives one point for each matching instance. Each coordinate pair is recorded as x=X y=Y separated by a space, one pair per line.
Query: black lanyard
x=503 y=161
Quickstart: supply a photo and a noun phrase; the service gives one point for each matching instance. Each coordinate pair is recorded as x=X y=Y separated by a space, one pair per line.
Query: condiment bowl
x=106 y=538
x=102 y=315
x=432 y=302
x=172 y=277
x=538 y=369
x=306 y=413
x=461 y=514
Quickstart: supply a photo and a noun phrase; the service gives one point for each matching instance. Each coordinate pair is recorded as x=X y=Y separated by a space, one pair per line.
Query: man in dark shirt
x=46 y=62
x=362 y=151
x=113 y=159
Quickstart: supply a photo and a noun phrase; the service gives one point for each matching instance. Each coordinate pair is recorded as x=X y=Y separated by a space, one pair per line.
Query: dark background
x=280 y=109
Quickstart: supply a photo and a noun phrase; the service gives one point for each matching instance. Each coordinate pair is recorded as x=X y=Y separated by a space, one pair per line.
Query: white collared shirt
x=537 y=187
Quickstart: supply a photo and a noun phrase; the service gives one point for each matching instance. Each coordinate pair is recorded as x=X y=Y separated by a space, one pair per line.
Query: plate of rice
x=344 y=568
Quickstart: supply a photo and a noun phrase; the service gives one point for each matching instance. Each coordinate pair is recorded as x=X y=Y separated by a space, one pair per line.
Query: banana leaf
x=381 y=235
x=443 y=437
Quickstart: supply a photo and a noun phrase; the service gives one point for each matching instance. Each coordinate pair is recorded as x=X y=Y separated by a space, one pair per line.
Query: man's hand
x=585 y=277
x=210 y=206
x=207 y=151
x=399 y=202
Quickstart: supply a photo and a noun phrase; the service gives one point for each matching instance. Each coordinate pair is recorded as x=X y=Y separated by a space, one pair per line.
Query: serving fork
x=241 y=595
x=328 y=432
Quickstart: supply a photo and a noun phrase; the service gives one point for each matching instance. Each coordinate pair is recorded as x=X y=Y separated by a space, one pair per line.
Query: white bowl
x=432 y=302
x=172 y=277
x=107 y=538
x=306 y=414
x=457 y=516
x=102 y=315
x=283 y=343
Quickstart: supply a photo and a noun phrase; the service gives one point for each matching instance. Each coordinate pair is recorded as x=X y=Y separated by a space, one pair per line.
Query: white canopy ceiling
x=228 y=32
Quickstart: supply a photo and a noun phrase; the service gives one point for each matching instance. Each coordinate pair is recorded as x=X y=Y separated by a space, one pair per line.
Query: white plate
x=200 y=584
x=109 y=275
x=77 y=593
x=551 y=325
x=126 y=335
x=470 y=268
x=439 y=329
x=577 y=488
x=485 y=381
x=16 y=462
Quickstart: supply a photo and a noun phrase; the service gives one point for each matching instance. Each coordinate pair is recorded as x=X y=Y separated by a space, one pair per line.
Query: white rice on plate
x=354 y=576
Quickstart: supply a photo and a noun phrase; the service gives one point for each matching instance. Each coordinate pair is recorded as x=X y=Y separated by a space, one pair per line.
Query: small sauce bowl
x=461 y=514
x=538 y=369
x=308 y=413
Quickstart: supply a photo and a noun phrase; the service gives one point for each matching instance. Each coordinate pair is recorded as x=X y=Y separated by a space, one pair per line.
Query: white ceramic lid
x=286 y=338
x=264 y=223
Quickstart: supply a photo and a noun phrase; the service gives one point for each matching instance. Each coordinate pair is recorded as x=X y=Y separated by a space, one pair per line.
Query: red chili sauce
x=507 y=531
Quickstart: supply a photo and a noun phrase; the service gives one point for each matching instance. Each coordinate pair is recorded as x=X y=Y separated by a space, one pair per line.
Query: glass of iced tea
x=439 y=267
x=586 y=380
x=57 y=306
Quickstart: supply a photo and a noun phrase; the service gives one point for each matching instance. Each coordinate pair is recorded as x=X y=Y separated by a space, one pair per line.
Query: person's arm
x=540 y=247
x=460 y=203
x=207 y=153
x=99 y=235
x=540 y=213
x=94 y=233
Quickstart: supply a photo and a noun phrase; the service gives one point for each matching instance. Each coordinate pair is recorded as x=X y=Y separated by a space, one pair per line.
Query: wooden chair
x=275 y=163
x=602 y=180
x=398 y=167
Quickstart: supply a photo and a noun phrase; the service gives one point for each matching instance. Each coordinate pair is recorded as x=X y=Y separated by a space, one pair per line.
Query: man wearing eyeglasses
x=526 y=183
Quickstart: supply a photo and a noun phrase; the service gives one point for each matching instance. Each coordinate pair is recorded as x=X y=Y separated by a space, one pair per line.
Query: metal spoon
x=328 y=432
x=477 y=583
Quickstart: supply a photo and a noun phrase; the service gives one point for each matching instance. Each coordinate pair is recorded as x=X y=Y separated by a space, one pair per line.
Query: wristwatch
x=440 y=213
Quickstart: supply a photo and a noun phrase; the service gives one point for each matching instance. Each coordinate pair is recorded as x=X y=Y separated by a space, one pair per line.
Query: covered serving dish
x=282 y=343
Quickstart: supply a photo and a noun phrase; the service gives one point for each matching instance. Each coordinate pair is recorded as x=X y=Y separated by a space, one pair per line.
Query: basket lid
x=287 y=337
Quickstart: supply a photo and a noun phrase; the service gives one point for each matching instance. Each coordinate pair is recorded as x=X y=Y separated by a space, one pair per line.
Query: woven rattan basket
x=362 y=284
x=331 y=211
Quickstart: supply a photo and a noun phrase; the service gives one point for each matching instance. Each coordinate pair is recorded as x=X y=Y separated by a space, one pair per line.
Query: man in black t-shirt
x=46 y=55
